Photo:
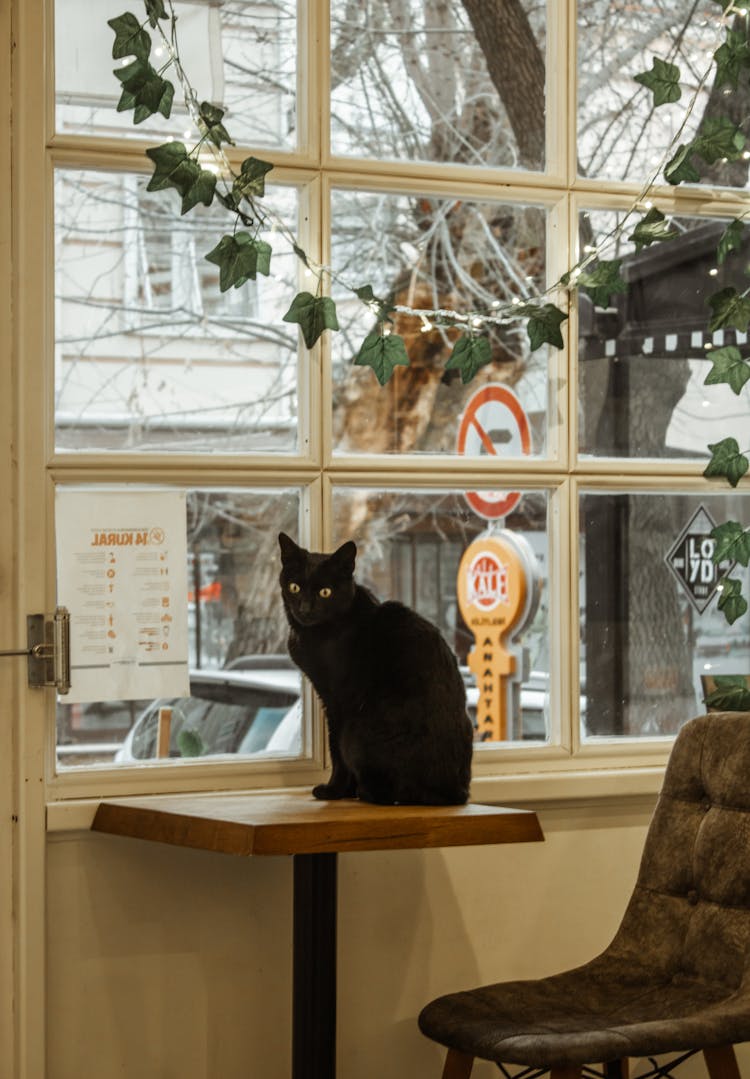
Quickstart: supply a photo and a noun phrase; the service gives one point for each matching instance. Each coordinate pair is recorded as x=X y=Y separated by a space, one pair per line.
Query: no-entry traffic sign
x=494 y=423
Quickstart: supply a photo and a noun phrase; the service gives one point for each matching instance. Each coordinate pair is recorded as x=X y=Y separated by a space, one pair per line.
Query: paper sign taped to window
x=122 y=574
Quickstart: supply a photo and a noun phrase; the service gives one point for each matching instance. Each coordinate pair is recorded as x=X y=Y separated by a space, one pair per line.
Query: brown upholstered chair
x=676 y=977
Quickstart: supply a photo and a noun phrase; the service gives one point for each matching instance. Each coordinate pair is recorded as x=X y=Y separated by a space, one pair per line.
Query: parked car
x=253 y=706
x=233 y=711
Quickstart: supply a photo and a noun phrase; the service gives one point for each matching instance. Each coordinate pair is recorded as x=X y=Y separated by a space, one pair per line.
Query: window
x=450 y=157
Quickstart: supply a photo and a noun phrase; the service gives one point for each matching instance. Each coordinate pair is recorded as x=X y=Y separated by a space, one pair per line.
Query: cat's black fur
x=394 y=697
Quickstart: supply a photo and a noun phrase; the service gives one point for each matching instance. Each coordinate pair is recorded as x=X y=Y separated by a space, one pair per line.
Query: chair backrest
x=690 y=912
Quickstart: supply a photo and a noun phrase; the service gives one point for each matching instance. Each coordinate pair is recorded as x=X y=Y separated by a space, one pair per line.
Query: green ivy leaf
x=652 y=228
x=381 y=308
x=366 y=295
x=680 y=169
x=383 y=353
x=663 y=80
x=468 y=355
x=544 y=324
x=731 y=58
x=729 y=309
x=144 y=90
x=130 y=37
x=603 y=281
x=726 y=461
x=314 y=314
x=732 y=693
x=719 y=137
x=732 y=543
x=240 y=258
x=155 y=11
x=251 y=182
x=175 y=168
x=730 y=239
x=731 y=601
x=190 y=744
x=211 y=116
x=729 y=367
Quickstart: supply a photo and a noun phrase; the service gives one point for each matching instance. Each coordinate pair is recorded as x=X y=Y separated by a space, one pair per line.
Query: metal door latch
x=48 y=650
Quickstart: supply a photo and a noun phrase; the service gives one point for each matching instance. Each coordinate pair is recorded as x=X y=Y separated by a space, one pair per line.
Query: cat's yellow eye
x=294 y=588
x=325 y=593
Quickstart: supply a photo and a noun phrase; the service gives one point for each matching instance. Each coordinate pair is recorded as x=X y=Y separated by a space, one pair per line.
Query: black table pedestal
x=314 y=974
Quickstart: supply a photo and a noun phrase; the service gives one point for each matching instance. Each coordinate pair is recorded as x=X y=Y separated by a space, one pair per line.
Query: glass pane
x=620 y=135
x=238 y=55
x=150 y=355
x=409 y=548
x=650 y=625
x=443 y=81
x=245 y=691
x=435 y=254
x=644 y=359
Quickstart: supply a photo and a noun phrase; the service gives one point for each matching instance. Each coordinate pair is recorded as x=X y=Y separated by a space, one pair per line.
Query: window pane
x=239 y=56
x=435 y=81
x=644 y=359
x=245 y=691
x=150 y=355
x=650 y=626
x=410 y=545
x=620 y=135
x=434 y=254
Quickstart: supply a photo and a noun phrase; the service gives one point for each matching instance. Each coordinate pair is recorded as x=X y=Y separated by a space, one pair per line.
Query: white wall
x=167 y=963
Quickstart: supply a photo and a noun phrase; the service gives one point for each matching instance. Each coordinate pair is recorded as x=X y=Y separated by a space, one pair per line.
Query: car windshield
x=222 y=715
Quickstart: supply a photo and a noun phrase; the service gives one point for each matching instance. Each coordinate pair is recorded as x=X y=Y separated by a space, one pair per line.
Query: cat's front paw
x=328 y=792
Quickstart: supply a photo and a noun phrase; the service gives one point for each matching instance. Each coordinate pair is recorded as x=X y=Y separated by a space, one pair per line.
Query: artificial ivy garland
x=242 y=254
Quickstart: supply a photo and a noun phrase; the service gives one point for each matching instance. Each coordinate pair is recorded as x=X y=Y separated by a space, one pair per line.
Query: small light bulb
x=186 y=134
x=713 y=271
x=308 y=272
x=386 y=332
x=477 y=322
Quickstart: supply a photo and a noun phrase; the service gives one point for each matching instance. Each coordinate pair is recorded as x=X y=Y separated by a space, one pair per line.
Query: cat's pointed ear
x=289 y=549
x=344 y=557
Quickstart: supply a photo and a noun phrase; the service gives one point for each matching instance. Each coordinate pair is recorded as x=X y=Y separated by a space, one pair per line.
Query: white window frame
x=560 y=769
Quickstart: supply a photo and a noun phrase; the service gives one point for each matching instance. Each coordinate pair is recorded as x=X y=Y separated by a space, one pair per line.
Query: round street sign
x=493 y=422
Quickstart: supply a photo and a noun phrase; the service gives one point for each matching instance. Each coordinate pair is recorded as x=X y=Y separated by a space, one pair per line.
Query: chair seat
x=598 y=1012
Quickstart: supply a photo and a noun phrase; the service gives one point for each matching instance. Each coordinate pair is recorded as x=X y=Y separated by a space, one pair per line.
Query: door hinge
x=47 y=651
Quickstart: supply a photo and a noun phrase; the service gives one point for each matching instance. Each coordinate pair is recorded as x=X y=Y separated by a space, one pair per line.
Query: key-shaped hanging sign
x=498 y=593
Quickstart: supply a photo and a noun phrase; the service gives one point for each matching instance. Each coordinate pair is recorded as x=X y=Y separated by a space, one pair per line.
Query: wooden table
x=313 y=833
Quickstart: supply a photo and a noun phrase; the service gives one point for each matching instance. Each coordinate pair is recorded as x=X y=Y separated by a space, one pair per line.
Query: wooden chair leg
x=721 y=1062
x=457 y=1065
x=567 y=1071
x=617 y=1069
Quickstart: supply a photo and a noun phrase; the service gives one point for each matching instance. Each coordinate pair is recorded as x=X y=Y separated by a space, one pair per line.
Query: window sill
x=565 y=789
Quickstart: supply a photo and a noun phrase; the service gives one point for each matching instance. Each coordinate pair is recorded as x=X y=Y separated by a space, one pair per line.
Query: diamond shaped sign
x=691 y=560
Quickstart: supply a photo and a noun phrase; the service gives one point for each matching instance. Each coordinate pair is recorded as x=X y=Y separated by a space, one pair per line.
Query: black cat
x=394 y=698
